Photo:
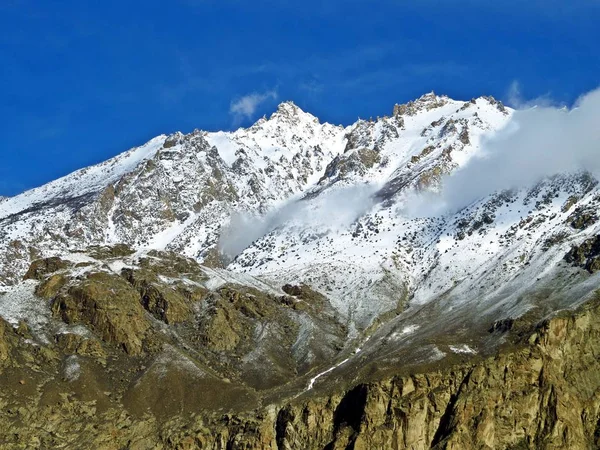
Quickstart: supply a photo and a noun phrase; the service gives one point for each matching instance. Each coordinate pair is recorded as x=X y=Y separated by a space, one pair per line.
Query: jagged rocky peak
x=290 y=112
x=426 y=102
x=288 y=108
x=431 y=98
x=173 y=139
x=497 y=103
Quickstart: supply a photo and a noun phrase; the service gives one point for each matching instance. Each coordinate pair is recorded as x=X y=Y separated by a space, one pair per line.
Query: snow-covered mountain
x=173 y=192
x=317 y=204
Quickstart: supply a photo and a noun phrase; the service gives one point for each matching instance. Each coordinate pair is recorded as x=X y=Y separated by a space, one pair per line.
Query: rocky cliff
x=539 y=391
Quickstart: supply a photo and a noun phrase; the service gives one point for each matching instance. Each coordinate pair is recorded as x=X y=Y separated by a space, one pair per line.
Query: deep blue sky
x=83 y=81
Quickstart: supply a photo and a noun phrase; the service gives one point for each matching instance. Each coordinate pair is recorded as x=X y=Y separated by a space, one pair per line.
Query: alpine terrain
x=296 y=285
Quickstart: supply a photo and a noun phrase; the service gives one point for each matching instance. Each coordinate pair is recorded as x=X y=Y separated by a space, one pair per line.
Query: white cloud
x=513 y=95
x=246 y=106
x=538 y=142
x=515 y=98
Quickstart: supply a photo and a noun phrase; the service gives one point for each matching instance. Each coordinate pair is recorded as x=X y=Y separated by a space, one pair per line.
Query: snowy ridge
x=174 y=192
x=84 y=181
x=362 y=264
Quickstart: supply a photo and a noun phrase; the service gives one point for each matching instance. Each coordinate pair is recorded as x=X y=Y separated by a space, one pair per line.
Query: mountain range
x=298 y=284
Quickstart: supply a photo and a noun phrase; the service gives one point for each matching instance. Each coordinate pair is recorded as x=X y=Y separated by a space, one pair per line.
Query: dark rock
x=586 y=255
x=42 y=267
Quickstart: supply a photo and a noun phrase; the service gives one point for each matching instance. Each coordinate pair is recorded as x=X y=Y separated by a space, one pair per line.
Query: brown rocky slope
x=540 y=389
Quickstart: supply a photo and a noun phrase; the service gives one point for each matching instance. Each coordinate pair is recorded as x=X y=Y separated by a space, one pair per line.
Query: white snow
x=72 y=368
x=161 y=240
x=406 y=331
x=462 y=349
x=19 y=303
x=312 y=381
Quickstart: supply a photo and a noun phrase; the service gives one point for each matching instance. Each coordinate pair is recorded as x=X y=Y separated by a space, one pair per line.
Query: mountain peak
x=427 y=102
x=497 y=103
x=288 y=105
x=291 y=112
x=429 y=97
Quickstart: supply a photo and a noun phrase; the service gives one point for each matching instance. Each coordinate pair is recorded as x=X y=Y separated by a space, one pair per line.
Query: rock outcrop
x=109 y=306
x=586 y=255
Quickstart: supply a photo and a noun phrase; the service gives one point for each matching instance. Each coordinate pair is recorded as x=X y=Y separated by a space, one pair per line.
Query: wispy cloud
x=333 y=209
x=513 y=95
x=515 y=99
x=245 y=107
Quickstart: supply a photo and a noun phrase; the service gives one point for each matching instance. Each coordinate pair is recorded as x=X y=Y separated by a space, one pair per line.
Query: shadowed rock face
x=586 y=255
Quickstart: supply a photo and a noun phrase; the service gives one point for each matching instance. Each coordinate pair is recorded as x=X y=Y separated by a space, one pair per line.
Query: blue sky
x=83 y=81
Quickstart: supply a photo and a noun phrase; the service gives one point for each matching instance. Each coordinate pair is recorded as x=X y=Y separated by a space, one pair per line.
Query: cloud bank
x=538 y=142
x=246 y=106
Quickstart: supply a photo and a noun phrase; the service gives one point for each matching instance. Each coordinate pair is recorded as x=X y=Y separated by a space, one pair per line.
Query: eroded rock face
x=542 y=394
x=41 y=267
x=75 y=344
x=171 y=304
x=108 y=305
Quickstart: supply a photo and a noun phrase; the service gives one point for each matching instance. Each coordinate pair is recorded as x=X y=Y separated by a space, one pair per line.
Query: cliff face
x=542 y=393
x=540 y=390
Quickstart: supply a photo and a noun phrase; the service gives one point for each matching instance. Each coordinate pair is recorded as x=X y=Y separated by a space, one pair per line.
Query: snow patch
x=462 y=349
x=19 y=303
x=72 y=368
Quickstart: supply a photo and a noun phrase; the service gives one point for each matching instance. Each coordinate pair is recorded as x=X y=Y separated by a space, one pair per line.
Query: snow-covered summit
x=292 y=113
x=178 y=191
x=289 y=133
